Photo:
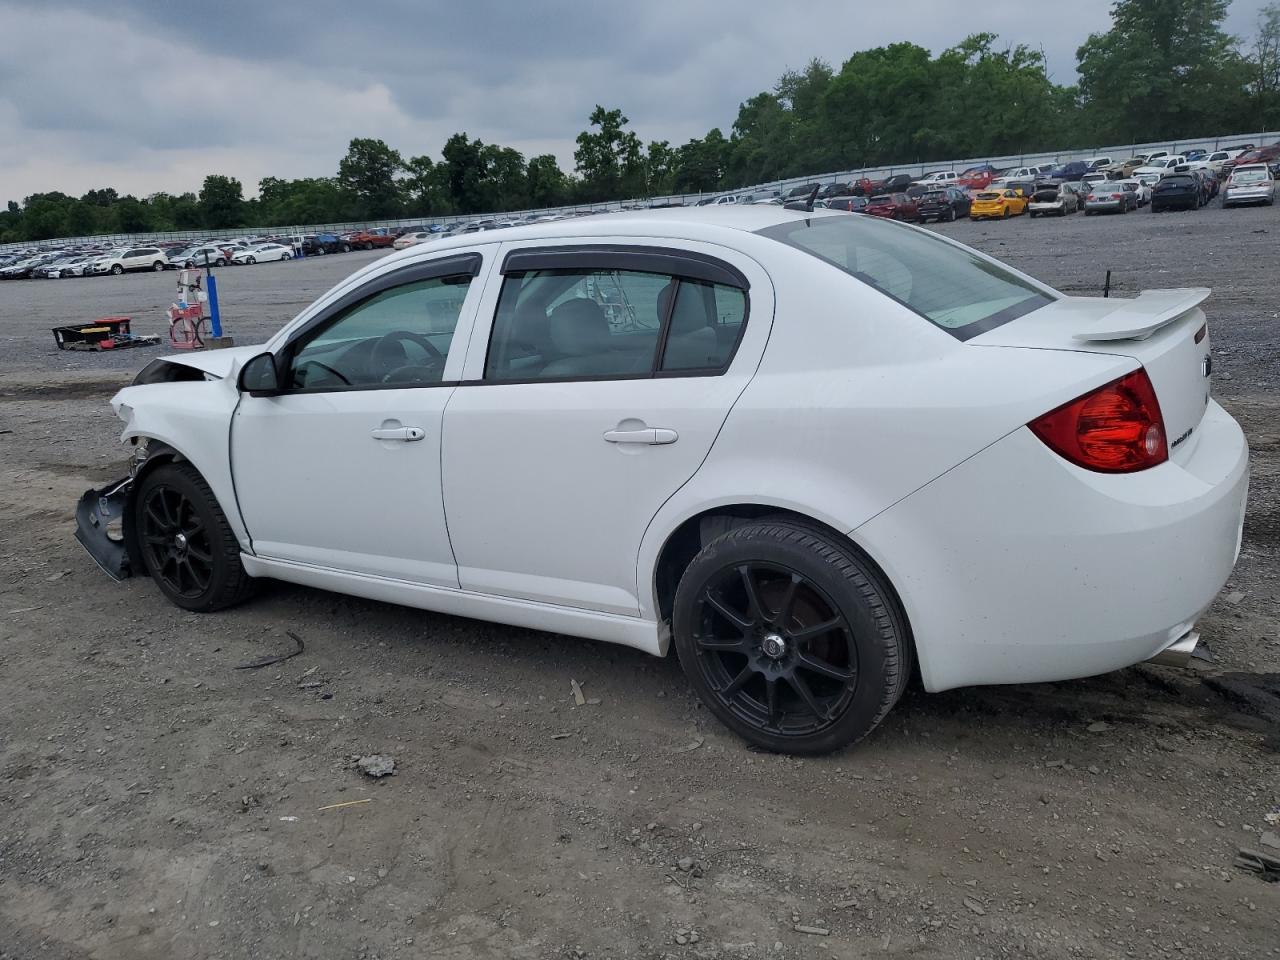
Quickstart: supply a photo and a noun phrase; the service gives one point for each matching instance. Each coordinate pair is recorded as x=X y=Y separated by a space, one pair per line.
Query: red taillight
x=1116 y=428
x=1117 y=196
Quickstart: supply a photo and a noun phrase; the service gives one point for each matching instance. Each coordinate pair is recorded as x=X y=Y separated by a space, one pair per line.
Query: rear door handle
x=648 y=435
x=405 y=434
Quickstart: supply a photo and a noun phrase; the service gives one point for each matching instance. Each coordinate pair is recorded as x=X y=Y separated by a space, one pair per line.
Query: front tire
x=250 y=260
x=790 y=637
x=158 y=266
x=187 y=546
x=117 y=269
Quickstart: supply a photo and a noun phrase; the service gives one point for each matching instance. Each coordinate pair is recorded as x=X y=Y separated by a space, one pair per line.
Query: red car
x=374 y=237
x=895 y=206
x=1267 y=155
x=977 y=178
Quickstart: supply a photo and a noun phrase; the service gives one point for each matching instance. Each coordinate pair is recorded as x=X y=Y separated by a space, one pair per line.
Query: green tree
x=1165 y=68
x=546 y=183
x=699 y=165
x=426 y=187
x=610 y=160
x=1264 y=69
x=221 y=202
x=369 y=171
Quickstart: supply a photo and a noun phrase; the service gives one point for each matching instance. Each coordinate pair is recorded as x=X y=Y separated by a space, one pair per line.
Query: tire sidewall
x=872 y=696
x=226 y=568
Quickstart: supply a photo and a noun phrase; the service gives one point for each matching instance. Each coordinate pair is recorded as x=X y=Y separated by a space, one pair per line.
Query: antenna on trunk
x=807 y=203
x=1106 y=287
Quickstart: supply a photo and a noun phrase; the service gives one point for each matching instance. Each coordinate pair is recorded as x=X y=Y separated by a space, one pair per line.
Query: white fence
x=1118 y=152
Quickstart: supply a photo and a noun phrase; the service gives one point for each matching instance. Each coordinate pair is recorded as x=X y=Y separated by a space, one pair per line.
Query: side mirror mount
x=259 y=377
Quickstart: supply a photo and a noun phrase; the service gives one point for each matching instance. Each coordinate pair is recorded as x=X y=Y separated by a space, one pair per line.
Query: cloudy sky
x=144 y=95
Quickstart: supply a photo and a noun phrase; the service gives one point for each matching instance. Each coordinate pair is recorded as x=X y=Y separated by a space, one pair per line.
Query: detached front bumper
x=100 y=527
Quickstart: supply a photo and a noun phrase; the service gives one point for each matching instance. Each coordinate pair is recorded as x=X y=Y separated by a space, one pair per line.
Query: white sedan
x=413 y=239
x=810 y=451
x=263 y=253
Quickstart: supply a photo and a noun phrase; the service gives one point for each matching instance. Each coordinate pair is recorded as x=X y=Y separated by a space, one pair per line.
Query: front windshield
x=950 y=286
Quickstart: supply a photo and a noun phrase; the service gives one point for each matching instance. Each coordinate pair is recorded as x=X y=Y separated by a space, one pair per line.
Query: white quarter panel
x=1018 y=566
x=539 y=505
x=858 y=402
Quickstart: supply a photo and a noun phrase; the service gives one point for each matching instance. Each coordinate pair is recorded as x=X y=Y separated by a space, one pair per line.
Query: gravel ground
x=158 y=803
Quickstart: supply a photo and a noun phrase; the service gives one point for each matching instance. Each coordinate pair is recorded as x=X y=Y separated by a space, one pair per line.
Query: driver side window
x=399 y=337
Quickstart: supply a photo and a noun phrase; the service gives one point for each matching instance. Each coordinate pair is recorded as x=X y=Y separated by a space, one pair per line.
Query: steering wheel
x=388 y=352
x=322 y=366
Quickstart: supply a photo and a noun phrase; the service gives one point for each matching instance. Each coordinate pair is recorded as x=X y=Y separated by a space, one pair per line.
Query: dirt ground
x=156 y=802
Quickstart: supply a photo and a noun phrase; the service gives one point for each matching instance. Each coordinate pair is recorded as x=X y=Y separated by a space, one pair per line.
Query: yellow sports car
x=997 y=203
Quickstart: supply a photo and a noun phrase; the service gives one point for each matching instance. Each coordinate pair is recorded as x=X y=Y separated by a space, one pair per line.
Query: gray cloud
x=147 y=96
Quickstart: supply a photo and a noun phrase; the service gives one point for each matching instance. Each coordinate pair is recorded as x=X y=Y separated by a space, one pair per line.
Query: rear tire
x=790 y=637
x=187 y=546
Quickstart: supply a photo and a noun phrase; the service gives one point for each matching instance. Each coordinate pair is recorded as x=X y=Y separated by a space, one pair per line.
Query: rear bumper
x=1104 y=206
x=1019 y=567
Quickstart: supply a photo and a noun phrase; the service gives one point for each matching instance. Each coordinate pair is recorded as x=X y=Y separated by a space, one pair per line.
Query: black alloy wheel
x=187 y=546
x=176 y=542
x=790 y=638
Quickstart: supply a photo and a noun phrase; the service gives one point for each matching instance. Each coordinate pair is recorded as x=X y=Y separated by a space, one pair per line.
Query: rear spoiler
x=1142 y=316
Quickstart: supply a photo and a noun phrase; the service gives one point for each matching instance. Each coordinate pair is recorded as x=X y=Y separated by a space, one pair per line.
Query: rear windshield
x=951 y=287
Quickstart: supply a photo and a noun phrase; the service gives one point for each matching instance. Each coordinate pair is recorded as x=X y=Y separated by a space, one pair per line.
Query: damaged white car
x=813 y=452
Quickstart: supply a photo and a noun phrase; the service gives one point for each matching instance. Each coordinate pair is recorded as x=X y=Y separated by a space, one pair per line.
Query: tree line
x=1164 y=70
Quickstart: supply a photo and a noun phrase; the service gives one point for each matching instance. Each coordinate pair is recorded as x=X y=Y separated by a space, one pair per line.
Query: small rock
x=1099 y=726
x=1168 y=743
x=1234 y=597
x=576 y=688
x=376 y=765
x=1055 y=763
x=685 y=864
x=493 y=702
x=812 y=931
x=1270 y=839
x=1094 y=769
x=696 y=826
x=975 y=906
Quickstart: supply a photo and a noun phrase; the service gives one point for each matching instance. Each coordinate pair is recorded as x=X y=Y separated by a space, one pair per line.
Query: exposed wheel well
x=688 y=539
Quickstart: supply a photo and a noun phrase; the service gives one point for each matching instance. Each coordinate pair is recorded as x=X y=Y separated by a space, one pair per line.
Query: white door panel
x=549 y=486
x=343 y=470
x=316 y=486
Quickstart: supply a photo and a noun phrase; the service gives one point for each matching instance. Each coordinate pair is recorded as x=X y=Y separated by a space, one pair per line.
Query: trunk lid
x=1163 y=330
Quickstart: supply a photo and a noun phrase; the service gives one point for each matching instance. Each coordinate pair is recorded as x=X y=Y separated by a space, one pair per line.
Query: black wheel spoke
x=738 y=682
x=771 y=701
x=816 y=630
x=154 y=515
x=204 y=556
x=801 y=686
x=720 y=607
x=730 y=645
x=823 y=668
x=755 y=609
x=788 y=601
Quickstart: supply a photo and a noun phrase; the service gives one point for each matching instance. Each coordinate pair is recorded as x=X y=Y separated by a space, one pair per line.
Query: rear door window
x=598 y=323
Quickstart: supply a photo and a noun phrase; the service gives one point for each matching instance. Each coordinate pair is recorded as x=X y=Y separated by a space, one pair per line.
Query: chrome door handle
x=406 y=434
x=648 y=435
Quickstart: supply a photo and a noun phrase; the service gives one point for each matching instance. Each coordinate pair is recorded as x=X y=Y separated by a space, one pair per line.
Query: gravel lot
x=157 y=803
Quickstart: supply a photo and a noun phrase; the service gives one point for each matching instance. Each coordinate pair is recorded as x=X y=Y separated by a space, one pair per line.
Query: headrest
x=579 y=327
